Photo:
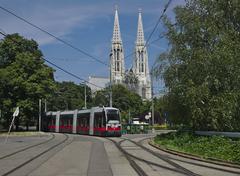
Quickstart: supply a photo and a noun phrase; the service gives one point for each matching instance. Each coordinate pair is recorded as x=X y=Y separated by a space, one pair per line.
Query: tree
x=69 y=96
x=202 y=67
x=24 y=78
x=123 y=99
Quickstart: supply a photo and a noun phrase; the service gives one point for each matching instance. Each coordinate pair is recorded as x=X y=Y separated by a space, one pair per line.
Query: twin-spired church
x=140 y=61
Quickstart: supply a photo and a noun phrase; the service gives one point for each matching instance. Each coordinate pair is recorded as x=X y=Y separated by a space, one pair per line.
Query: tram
x=99 y=121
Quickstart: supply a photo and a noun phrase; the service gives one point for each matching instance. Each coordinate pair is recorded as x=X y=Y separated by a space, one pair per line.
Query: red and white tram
x=100 y=121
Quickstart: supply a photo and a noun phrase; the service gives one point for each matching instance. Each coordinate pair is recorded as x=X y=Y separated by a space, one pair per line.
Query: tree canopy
x=24 y=78
x=124 y=99
x=202 y=67
x=69 y=96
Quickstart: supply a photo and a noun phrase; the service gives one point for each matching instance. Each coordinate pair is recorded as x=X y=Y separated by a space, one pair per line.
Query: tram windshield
x=113 y=116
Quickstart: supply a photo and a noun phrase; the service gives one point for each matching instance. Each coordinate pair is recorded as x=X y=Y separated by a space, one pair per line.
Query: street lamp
x=151 y=74
x=39 y=115
x=110 y=82
x=85 y=96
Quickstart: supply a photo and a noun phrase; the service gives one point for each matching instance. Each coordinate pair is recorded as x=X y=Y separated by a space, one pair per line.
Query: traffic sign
x=16 y=112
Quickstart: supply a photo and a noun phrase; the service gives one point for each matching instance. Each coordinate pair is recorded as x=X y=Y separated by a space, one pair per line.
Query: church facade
x=140 y=60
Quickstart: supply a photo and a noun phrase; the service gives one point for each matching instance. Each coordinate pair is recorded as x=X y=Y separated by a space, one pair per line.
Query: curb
x=195 y=157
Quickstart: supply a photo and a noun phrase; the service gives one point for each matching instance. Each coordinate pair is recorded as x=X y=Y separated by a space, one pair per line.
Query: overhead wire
x=54 y=36
x=158 y=21
x=155 y=27
x=80 y=50
x=55 y=65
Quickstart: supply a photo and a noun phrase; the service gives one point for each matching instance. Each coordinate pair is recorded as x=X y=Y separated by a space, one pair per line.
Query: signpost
x=39 y=115
x=15 y=114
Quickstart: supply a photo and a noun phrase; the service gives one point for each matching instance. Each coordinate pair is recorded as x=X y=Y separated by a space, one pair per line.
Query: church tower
x=117 y=68
x=140 y=63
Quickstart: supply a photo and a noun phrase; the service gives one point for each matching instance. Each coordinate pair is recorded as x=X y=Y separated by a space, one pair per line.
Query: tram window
x=96 y=119
x=99 y=119
x=113 y=115
x=83 y=119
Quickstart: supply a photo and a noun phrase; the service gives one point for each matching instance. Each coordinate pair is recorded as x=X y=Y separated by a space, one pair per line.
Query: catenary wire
x=83 y=52
x=78 y=49
x=155 y=27
x=60 y=68
x=54 y=36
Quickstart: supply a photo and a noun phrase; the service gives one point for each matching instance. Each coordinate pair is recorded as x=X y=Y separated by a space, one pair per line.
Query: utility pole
x=129 y=115
x=85 y=96
x=45 y=105
x=39 y=117
x=110 y=93
x=151 y=74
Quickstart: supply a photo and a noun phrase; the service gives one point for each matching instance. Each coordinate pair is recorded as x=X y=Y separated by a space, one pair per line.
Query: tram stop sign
x=16 y=112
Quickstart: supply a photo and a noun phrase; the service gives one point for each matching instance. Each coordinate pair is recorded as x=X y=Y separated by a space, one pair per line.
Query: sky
x=88 y=25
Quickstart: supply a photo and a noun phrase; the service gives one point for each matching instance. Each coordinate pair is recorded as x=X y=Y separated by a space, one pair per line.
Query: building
x=96 y=83
x=117 y=65
x=117 y=68
x=140 y=60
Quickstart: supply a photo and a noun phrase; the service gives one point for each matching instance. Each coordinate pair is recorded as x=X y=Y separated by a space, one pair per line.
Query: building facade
x=140 y=60
x=117 y=68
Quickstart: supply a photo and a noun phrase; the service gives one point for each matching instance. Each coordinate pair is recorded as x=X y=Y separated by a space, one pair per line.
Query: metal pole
x=9 y=130
x=85 y=96
x=45 y=103
x=152 y=101
x=110 y=94
x=152 y=112
x=39 y=117
x=129 y=121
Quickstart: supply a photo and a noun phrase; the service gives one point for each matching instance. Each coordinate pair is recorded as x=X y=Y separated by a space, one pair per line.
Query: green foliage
x=218 y=147
x=123 y=99
x=15 y=44
x=69 y=96
x=24 y=78
x=202 y=67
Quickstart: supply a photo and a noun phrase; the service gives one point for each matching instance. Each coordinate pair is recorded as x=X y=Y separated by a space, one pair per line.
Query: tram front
x=113 y=122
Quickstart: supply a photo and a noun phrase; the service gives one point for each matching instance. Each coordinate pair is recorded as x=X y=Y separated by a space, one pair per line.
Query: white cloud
x=58 y=20
x=61 y=18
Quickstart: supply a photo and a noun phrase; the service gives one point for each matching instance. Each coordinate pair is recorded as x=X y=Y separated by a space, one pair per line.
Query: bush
x=218 y=147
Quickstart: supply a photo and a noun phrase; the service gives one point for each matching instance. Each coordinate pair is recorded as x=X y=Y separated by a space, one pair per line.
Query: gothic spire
x=140 y=63
x=117 y=54
x=140 y=34
x=116 y=29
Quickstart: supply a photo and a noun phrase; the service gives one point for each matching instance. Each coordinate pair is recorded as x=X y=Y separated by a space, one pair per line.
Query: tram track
x=29 y=160
x=28 y=147
x=194 y=163
x=131 y=158
x=177 y=168
x=134 y=165
x=164 y=158
x=169 y=158
x=173 y=162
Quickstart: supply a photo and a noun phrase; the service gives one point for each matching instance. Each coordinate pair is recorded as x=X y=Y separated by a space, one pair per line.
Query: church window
x=117 y=68
x=141 y=62
x=117 y=55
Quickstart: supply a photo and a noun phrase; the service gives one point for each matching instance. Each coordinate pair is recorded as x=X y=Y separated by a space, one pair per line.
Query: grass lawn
x=217 y=147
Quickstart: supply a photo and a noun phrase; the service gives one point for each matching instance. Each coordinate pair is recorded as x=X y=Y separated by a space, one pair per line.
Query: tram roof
x=80 y=111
